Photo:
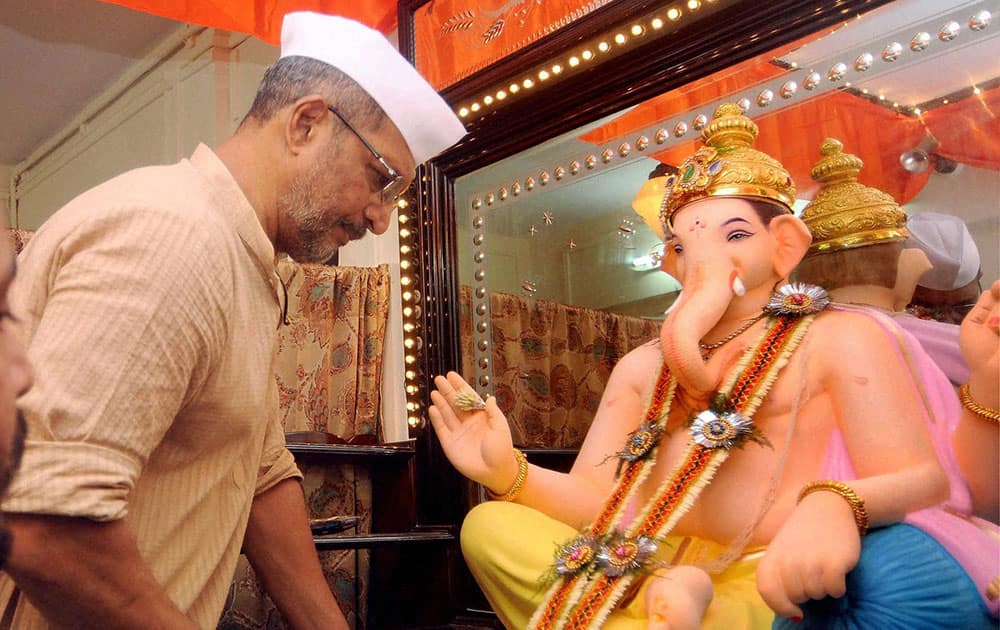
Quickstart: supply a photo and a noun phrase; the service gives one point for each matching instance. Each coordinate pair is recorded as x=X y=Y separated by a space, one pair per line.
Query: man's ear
x=304 y=117
x=791 y=242
x=913 y=263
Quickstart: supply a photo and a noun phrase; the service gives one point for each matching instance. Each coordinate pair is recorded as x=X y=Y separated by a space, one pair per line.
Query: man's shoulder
x=167 y=199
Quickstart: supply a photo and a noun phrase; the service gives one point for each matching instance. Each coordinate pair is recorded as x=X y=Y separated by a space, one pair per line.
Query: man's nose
x=378 y=215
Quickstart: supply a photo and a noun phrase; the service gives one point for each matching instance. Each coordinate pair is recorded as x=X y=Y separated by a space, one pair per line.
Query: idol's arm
x=977 y=438
x=478 y=444
x=880 y=414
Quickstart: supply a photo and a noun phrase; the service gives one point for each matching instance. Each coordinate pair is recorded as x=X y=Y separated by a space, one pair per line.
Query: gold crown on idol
x=727 y=166
x=846 y=213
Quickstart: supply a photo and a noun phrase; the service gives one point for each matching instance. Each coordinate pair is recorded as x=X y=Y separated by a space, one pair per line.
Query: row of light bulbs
x=412 y=342
x=576 y=59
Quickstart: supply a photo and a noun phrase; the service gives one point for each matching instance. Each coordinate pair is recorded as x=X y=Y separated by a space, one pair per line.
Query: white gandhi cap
x=948 y=245
x=423 y=118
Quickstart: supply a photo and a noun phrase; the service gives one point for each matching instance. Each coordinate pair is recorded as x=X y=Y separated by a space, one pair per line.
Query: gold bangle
x=970 y=403
x=844 y=490
x=518 y=485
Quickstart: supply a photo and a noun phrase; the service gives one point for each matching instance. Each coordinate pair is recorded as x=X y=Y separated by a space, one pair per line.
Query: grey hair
x=291 y=78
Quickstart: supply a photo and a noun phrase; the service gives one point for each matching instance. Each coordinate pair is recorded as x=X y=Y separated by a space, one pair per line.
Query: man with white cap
x=948 y=291
x=150 y=309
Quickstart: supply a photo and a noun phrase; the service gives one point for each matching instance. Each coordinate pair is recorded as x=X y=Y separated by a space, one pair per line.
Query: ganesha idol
x=699 y=498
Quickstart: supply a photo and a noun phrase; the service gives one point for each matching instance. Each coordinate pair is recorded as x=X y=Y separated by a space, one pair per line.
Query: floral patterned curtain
x=551 y=363
x=329 y=365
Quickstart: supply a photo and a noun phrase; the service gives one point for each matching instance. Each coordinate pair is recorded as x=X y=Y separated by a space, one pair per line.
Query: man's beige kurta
x=150 y=314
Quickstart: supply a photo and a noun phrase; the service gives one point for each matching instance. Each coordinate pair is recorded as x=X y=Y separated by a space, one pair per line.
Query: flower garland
x=594 y=570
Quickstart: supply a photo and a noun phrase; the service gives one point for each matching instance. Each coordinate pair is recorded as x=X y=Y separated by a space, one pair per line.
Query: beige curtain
x=329 y=366
x=551 y=363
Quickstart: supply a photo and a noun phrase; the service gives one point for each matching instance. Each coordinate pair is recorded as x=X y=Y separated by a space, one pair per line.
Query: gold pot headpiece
x=727 y=166
x=846 y=213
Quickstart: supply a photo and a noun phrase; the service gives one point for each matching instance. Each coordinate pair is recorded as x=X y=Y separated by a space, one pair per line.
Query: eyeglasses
x=397 y=183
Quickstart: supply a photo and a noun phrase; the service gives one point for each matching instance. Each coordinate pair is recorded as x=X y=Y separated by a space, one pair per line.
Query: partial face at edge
x=15 y=379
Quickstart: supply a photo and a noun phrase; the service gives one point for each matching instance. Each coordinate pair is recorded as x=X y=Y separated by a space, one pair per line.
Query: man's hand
x=477 y=442
x=811 y=555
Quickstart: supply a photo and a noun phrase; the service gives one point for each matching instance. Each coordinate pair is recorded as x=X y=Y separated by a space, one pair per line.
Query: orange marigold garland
x=596 y=568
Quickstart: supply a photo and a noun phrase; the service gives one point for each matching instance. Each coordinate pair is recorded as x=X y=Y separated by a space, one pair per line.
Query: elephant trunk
x=708 y=290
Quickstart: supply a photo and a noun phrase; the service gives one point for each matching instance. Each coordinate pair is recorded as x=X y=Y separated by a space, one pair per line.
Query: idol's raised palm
x=477 y=442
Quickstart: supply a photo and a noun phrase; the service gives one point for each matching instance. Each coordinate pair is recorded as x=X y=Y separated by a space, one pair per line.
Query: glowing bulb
x=487 y=100
x=514 y=88
x=404 y=233
x=574 y=61
x=977 y=91
x=657 y=23
x=542 y=75
x=404 y=264
x=405 y=281
x=528 y=83
x=501 y=95
x=414 y=421
x=603 y=46
x=674 y=14
x=474 y=107
x=881 y=97
x=694 y=5
x=620 y=39
x=587 y=55
x=403 y=218
x=408 y=327
x=410 y=374
x=410 y=359
x=402 y=203
x=407 y=311
x=637 y=30
x=411 y=389
x=411 y=406
x=556 y=69
x=463 y=112
x=409 y=343
x=407 y=296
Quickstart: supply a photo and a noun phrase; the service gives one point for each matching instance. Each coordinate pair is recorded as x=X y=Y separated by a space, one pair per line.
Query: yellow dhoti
x=508 y=548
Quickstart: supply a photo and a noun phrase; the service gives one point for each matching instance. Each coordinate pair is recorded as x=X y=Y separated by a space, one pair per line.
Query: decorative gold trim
x=970 y=403
x=522 y=475
x=844 y=490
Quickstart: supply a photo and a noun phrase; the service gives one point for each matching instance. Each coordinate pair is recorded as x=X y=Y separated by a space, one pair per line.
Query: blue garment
x=904 y=580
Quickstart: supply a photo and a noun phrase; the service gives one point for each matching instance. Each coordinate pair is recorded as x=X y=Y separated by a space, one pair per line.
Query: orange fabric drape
x=455 y=38
x=968 y=131
x=262 y=18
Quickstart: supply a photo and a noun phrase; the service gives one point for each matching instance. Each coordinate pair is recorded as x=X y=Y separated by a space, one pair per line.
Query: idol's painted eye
x=677 y=248
x=736 y=235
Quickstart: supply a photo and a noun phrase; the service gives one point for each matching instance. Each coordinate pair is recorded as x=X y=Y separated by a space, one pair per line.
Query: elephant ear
x=913 y=263
x=791 y=242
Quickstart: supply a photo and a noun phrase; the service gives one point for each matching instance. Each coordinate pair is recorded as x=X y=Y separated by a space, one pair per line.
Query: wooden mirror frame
x=736 y=33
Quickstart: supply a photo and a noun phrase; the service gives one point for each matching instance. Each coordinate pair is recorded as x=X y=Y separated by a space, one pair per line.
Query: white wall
x=194 y=87
x=972 y=194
